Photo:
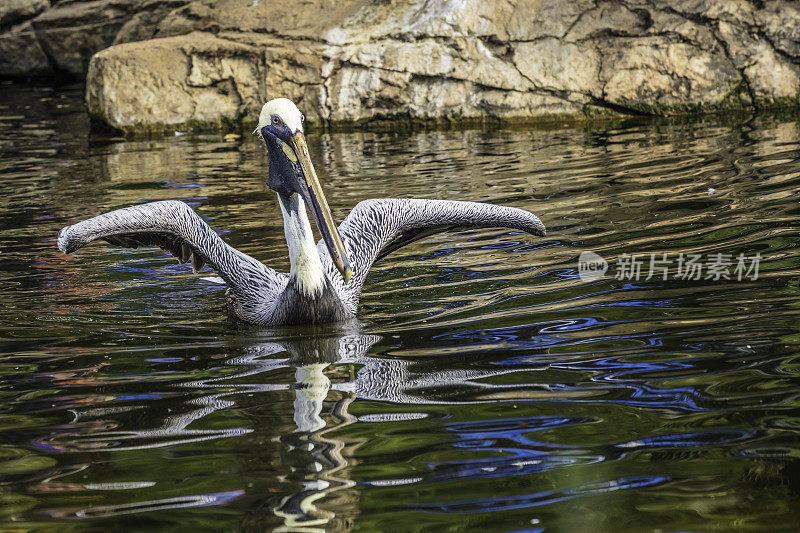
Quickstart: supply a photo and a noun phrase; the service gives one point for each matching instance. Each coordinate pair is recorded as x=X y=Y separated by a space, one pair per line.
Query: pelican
x=325 y=279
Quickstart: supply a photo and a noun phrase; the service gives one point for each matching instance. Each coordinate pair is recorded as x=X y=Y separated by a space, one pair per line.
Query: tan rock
x=517 y=20
x=779 y=22
x=357 y=93
x=768 y=73
x=656 y=71
x=296 y=19
x=609 y=18
x=361 y=60
x=555 y=65
x=772 y=76
x=463 y=58
x=174 y=80
x=197 y=78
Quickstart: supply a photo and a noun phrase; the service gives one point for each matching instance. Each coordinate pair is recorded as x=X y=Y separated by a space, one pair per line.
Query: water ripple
x=487 y=386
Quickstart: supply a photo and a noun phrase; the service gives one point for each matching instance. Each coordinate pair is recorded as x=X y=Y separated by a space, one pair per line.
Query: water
x=486 y=386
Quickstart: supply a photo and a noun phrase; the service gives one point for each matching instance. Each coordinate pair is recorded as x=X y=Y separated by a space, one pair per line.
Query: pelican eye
x=276 y=120
x=302 y=118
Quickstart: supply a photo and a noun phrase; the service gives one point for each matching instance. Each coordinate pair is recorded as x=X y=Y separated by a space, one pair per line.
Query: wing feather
x=376 y=228
x=174 y=227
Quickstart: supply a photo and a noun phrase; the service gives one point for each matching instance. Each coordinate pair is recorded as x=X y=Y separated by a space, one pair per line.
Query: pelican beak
x=315 y=199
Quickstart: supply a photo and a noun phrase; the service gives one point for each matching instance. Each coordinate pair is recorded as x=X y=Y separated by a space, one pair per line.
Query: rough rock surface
x=166 y=62
x=13 y=11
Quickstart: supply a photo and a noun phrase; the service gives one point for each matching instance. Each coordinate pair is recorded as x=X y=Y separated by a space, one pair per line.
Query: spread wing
x=176 y=228
x=375 y=228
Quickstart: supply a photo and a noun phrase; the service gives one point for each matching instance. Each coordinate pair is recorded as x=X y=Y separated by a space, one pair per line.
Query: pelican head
x=292 y=175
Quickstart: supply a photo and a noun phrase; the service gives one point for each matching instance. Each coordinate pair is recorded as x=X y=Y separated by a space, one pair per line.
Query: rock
x=15 y=11
x=145 y=21
x=542 y=62
x=778 y=21
x=651 y=72
x=71 y=32
x=769 y=74
x=21 y=56
x=197 y=77
x=166 y=62
x=297 y=19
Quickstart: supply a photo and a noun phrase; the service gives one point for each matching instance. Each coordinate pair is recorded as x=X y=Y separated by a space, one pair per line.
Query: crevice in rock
x=58 y=72
x=786 y=55
x=644 y=16
x=235 y=89
x=713 y=26
x=753 y=28
x=439 y=77
x=500 y=49
x=679 y=37
x=534 y=40
x=189 y=66
x=697 y=18
x=327 y=79
x=609 y=34
x=557 y=93
x=576 y=21
x=189 y=63
x=625 y=110
x=15 y=18
x=279 y=35
x=741 y=70
x=429 y=78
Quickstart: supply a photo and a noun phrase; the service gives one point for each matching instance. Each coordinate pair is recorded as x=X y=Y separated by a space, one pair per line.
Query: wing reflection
x=328 y=368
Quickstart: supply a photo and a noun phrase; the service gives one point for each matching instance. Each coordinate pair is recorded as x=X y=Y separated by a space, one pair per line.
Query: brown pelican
x=325 y=279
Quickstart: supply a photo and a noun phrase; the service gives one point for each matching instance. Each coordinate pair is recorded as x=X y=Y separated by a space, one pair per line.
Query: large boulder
x=168 y=62
x=198 y=78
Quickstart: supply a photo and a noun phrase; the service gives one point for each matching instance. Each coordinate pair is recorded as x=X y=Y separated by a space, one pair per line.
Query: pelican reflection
x=332 y=369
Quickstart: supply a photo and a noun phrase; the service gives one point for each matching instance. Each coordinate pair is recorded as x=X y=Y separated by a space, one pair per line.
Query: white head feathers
x=285 y=109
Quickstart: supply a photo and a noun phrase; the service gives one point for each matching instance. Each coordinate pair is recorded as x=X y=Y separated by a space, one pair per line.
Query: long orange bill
x=319 y=208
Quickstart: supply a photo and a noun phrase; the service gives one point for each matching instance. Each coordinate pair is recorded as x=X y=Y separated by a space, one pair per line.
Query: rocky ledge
x=155 y=64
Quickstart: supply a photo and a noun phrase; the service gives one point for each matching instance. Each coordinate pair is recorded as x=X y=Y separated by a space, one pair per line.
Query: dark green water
x=487 y=386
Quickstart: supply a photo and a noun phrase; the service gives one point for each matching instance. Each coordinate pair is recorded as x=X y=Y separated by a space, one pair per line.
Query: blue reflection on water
x=535 y=499
x=526 y=456
x=693 y=439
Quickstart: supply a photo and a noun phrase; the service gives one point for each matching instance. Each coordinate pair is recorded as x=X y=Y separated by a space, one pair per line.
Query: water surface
x=486 y=385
